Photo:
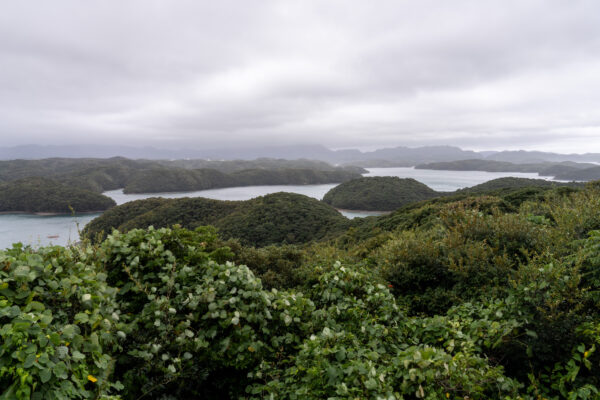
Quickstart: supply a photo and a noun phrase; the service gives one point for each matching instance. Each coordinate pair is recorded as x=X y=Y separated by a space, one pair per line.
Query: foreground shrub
x=59 y=326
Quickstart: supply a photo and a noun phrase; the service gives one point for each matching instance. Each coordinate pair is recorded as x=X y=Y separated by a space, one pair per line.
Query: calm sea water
x=43 y=230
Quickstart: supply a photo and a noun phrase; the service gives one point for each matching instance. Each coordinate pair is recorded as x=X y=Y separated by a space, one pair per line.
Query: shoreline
x=51 y=214
x=364 y=211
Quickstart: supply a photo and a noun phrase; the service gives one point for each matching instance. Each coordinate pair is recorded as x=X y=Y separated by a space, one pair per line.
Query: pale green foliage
x=58 y=325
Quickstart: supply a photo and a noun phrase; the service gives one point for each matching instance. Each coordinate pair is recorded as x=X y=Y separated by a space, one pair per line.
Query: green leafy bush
x=59 y=326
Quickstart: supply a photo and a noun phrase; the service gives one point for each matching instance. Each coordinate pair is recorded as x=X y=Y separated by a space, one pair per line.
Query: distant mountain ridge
x=400 y=156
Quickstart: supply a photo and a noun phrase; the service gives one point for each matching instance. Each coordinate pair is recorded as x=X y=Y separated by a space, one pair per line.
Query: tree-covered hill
x=587 y=174
x=271 y=219
x=184 y=180
x=66 y=167
x=282 y=218
x=229 y=166
x=45 y=195
x=378 y=193
x=151 y=176
x=158 y=180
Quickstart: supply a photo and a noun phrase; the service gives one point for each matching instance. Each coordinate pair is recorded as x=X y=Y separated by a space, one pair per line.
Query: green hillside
x=274 y=218
x=153 y=176
x=185 y=180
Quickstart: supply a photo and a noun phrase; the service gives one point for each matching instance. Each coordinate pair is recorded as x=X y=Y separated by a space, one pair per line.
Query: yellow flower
x=585 y=354
x=92 y=378
x=251 y=349
x=447 y=395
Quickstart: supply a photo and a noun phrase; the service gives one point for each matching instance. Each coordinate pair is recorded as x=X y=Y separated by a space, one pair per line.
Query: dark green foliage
x=185 y=180
x=176 y=180
x=45 y=195
x=507 y=185
x=145 y=176
x=117 y=216
x=87 y=173
x=272 y=219
x=588 y=174
x=229 y=166
x=277 y=266
x=423 y=215
x=281 y=218
x=566 y=171
x=481 y=165
x=378 y=193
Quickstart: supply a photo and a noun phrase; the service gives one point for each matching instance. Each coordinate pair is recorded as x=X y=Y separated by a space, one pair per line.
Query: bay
x=41 y=230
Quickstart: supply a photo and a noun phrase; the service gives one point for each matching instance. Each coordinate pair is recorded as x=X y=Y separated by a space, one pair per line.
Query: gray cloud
x=482 y=75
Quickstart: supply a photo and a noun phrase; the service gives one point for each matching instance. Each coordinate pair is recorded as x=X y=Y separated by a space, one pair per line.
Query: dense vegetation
x=465 y=296
x=480 y=165
x=45 y=195
x=587 y=174
x=391 y=193
x=378 y=193
x=146 y=176
x=566 y=170
x=93 y=174
x=229 y=166
x=272 y=219
x=185 y=180
x=515 y=184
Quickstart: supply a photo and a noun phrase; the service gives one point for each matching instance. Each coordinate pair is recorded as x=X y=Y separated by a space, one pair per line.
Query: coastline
x=365 y=211
x=50 y=214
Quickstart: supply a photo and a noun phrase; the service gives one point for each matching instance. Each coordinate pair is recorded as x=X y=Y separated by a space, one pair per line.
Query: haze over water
x=38 y=230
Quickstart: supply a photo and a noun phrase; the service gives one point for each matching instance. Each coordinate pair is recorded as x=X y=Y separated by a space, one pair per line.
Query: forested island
x=39 y=195
x=565 y=170
x=478 y=295
x=378 y=193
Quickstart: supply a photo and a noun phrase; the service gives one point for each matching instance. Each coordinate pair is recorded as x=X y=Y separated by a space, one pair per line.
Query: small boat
x=52 y=236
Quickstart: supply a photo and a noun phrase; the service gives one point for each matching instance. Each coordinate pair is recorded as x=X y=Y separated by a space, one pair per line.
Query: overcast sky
x=349 y=73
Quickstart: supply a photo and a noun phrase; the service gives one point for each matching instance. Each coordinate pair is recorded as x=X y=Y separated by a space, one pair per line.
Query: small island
x=512 y=184
x=378 y=193
x=41 y=195
x=563 y=171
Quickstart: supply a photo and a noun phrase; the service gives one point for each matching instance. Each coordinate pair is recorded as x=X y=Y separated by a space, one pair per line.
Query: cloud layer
x=344 y=73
